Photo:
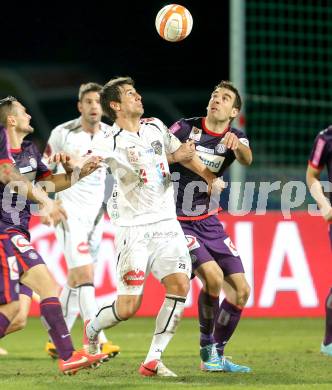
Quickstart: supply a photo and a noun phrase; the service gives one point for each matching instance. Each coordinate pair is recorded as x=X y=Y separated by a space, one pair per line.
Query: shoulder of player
x=186 y=124
x=154 y=123
x=29 y=145
x=65 y=127
x=326 y=133
x=238 y=132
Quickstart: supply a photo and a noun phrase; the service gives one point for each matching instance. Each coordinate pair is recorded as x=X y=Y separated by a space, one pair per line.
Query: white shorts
x=160 y=248
x=80 y=238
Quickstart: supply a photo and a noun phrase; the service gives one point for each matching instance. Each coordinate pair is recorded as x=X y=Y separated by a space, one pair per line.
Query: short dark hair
x=6 y=108
x=88 y=87
x=111 y=93
x=229 y=85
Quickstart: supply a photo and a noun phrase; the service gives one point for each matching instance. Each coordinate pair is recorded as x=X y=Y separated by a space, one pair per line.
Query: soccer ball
x=174 y=22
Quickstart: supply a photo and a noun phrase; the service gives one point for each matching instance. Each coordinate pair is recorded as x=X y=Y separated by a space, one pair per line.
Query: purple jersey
x=5 y=156
x=192 y=203
x=16 y=210
x=321 y=153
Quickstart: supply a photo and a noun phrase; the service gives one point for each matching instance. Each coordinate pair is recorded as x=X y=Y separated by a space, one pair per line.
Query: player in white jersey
x=83 y=202
x=148 y=237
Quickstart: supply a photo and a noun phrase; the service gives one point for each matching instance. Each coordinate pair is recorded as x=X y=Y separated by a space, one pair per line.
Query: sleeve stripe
x=43 y=175
x=319 y=167
x=318 y=152
x=6 y=161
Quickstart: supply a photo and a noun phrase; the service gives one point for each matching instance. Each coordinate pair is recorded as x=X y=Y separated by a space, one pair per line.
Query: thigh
x=40 y=280
x=9 y=274
x=95 y=237
x=132 y=267
x=211 y=236
x=198 y=251
x=168 y=250
x=73 y=238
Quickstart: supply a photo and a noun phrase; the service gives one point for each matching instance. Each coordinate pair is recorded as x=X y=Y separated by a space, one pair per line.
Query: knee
x=242 y=295
x=213 y=284
x=127 y=308
x=79 y=276
x=179 y=288
x=19 y=323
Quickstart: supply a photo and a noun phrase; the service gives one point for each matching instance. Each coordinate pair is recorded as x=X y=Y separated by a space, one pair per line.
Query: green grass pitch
x=283 y=353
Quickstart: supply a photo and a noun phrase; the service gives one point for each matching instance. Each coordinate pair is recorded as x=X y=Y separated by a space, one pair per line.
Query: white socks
x=69 y=299
x=106 y=317
x=166 y=323
x=69 y=303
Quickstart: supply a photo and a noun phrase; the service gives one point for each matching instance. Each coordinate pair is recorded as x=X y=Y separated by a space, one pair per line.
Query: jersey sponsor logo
x=157 y=147
x=213 y=162
x=192 y=242
x=13 y=268
x=83 y=248
x=206 y=150
x=134 y=278
x=221 y=148
x=21 y=243
x=132 y=154
x=228 y=242
x=175 y=127
x=195 y=134
x=25 y=169
x=33 y=162
x=33 y=255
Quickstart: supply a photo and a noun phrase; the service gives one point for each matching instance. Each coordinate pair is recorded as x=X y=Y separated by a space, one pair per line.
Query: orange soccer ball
x=174 y=22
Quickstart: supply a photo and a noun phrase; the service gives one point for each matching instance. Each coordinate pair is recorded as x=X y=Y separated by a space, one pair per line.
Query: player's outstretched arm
x=316 y=191
x=184 y=154
x=196 y=165
x=242 y=152
x=76 y=169
x=52 y=211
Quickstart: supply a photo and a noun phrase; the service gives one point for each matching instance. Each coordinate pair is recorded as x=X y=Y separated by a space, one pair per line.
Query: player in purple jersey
x=14 y=220
x=214 y=257
x=321 y=157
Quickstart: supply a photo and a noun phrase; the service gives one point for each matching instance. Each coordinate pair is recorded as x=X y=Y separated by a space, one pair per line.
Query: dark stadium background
x=100 y=40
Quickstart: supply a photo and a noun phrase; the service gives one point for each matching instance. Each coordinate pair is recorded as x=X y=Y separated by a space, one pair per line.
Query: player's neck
x=129 y=124
x=90 y=128
x=218 y=127
x=15 y=139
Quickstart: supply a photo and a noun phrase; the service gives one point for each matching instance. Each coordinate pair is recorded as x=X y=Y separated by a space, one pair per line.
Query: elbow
x=249 y=161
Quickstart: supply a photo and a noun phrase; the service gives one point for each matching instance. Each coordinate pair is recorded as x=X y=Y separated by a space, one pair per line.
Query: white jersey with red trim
x=88 y=193
x=142 y=192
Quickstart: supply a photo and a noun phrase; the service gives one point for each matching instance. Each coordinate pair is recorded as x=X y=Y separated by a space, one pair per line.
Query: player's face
x=131 y=101
x=90 y=108
x=220 y=105
x=21 y=118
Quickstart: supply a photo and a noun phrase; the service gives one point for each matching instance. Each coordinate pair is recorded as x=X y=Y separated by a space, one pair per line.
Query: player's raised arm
x=240 y=146
x=316 y=191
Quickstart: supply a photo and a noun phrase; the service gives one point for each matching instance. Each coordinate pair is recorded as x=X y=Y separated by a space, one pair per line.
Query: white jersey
x=143 y=191
x=88 y=193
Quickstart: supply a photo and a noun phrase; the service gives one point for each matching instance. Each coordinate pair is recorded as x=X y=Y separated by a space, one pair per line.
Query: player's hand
x=216 y=186
x=88 y=165
x=52 y=212
x=328 y=215
x=231 y=141
x=186 y=152
x=63 y=158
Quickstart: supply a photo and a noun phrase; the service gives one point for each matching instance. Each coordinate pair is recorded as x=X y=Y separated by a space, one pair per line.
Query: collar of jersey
x=211 y=132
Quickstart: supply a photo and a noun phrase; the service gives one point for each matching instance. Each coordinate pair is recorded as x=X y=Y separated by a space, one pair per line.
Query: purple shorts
x=208 y=241
x=26 y=255
x=9 y=276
